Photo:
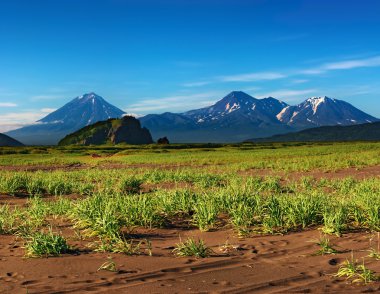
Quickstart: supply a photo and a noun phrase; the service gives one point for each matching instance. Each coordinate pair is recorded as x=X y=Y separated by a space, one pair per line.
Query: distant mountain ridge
x=239 y=116
x=78 y=113
x=6 y=141
x=235 y=118
x=361 y=132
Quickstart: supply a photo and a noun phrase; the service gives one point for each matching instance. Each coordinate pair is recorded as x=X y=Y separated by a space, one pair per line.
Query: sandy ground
x=256 y=264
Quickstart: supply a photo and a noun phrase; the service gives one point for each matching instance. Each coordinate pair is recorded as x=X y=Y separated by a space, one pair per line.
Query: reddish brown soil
x=260 y=264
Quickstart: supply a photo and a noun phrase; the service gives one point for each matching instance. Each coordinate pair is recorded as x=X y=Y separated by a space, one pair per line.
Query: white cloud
x=48 y=110
x=15 y=120
x=7 y=104
x=311 y=71
x=137 y=115
x=287 y=73
x=349 y=64
x=299 y=81
x=343 y=65
x=252 y=77
x=196 y=84
x=175 y=103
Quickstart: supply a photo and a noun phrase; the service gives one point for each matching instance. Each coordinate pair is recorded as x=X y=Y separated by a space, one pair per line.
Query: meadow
x=207 y=205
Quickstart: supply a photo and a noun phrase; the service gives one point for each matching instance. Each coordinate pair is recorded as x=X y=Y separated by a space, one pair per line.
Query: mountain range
x=235 y=118
x=238 y=116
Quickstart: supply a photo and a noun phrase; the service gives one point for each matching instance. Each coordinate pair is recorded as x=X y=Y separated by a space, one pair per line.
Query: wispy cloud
x=7 y=104
x=196 y=84
x=175 y=102
x=14 y=120
x=252 y=77
x=344 y=65
x=300 y=73
x=299 y=81
x=288 y=94
x=350 y=64
x=47 y=97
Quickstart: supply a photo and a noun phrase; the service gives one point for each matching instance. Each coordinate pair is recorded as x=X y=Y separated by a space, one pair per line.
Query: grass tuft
x=42 y=244
x=192 y=248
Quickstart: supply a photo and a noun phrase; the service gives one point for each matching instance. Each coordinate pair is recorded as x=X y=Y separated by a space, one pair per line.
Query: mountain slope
x=81 y=111
x=361 y=132
x=113 y=131
x=322 y=111
x=9 y=142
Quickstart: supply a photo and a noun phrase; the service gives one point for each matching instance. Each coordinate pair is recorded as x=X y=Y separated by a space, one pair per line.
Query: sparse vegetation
x=326 y=246
x=101 y=202
x=356 y=272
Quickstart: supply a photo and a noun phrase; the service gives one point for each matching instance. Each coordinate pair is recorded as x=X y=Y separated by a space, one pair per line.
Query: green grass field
x=123 y=187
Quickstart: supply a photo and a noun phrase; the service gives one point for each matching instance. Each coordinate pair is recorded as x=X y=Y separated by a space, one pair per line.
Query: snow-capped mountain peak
x=84 y=110
x=316 y=101
x=319 y=111
x=238 y=105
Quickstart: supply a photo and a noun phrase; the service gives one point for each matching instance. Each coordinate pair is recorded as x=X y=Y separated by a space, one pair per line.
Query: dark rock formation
x=163 y=141
x=113 y=131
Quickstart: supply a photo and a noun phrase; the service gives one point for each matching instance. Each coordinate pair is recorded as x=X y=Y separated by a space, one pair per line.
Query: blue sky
x=152 y=56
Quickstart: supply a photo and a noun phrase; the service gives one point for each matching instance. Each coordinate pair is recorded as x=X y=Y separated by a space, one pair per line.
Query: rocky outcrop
x=163 y=141
x=130 y=132
x=113 y=131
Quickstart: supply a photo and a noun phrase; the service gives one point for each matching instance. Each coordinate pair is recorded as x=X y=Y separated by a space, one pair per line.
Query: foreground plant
x=109 y=265
x=42 y=244
x=8 y=219
x=192 y=248
x=119 y=244
x=326 y=246
x=373 y=253
x=357 y=273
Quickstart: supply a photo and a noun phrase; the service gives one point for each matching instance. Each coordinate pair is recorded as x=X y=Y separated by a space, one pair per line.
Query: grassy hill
x=362 y=132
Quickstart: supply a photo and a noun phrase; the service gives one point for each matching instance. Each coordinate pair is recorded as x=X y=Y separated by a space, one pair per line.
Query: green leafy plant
x=42 y=244
x=192 y=247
